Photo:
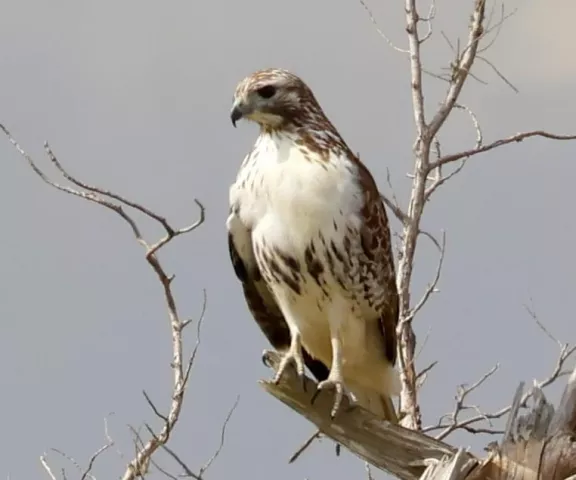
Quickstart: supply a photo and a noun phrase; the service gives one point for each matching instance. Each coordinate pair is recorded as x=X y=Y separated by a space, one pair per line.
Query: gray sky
x=135 y=96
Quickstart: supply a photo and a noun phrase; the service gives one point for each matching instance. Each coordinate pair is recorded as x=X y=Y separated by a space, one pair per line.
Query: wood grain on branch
x=402 y=452
x=539 y=445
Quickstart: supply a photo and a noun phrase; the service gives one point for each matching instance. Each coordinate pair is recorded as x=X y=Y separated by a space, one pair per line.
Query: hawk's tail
x=380 y=405
x=377 y=397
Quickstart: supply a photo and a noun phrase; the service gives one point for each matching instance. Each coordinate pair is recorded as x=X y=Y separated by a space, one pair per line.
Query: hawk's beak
x=236 y=114
x=239 y=110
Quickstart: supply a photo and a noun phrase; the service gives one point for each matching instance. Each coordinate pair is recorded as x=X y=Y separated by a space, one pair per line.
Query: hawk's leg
x=293 y=355
x=335 y=379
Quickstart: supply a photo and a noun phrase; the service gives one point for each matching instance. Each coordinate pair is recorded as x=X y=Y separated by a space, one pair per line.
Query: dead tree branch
x=180 y=368
x=519 y=137
x=452 y=422
x=427 y=175
x=379 y=30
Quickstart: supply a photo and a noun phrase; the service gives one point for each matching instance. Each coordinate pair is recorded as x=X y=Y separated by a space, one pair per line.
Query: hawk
x=309 y=240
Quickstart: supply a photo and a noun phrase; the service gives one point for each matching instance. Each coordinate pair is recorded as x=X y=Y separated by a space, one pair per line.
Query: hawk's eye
x=267 y=91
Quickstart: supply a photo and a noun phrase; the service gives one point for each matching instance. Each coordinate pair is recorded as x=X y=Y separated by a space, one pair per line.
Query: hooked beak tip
x=235 y=115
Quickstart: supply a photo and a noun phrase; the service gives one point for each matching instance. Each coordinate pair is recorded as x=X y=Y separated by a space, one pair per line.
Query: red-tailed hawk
x=310 y=242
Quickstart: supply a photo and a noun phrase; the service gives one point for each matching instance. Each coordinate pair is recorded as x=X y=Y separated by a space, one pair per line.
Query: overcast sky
x=135 y=96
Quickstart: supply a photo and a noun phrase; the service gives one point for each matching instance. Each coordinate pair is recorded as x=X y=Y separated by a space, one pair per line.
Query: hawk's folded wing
x=259 y=299
x=379 y=261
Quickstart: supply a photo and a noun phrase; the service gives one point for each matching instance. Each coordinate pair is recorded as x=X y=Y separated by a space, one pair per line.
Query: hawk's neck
x=319 y=138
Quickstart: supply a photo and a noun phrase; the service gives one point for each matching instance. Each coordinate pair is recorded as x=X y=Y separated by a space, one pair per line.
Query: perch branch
x=407 y=451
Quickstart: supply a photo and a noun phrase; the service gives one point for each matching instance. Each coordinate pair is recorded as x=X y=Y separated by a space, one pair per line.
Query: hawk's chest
x=294 y=194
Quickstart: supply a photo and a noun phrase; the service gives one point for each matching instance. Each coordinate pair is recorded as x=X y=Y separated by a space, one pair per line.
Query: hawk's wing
x=377 y=247
x=260 y=301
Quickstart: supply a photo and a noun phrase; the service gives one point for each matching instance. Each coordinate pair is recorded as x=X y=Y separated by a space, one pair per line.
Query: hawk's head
x=273 y=98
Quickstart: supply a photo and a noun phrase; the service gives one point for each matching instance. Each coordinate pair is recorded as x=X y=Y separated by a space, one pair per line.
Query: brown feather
x=378 y=249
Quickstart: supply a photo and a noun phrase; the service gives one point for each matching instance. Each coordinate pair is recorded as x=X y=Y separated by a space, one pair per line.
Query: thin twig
x=304 y=446
x=425 y=370
x=431 y=288
x=428 y=21
x=183 y=465
x=462 y=68
x=499 y=73
x=93 y=458
x=455 y=423
x=222 y=438
x=519 y=137
x=460 y=398
x=44 y=463
x=380 y=32
x=139 y=465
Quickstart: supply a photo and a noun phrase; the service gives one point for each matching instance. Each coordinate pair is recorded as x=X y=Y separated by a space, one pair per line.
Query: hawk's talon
x=291 y=356
x=266 y=358
x=338 y=386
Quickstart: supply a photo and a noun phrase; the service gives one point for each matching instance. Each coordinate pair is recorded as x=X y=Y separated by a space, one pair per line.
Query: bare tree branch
x=69 y=459
x=187 y=471
x=462 y=69
x=454 y=421
x=222 y=438
x=93 y=458
x=428 y=21
x=440 y=179
x=431 y=288
x=46 y=467
x=462 y=394
x=414 y=43
x=407 y=339
x=380 y=32
x=498 y=143
x=422 y=376
x=304 y=446
x=497 y=27
x=499 y=73
x=139 y=465
x=428 y=176
x=109 y=438
x=185 y=468
x=84 y=472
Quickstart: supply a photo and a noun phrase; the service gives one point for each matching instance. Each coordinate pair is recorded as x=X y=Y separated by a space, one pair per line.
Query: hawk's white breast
x=290 y=200
x=294 y=196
